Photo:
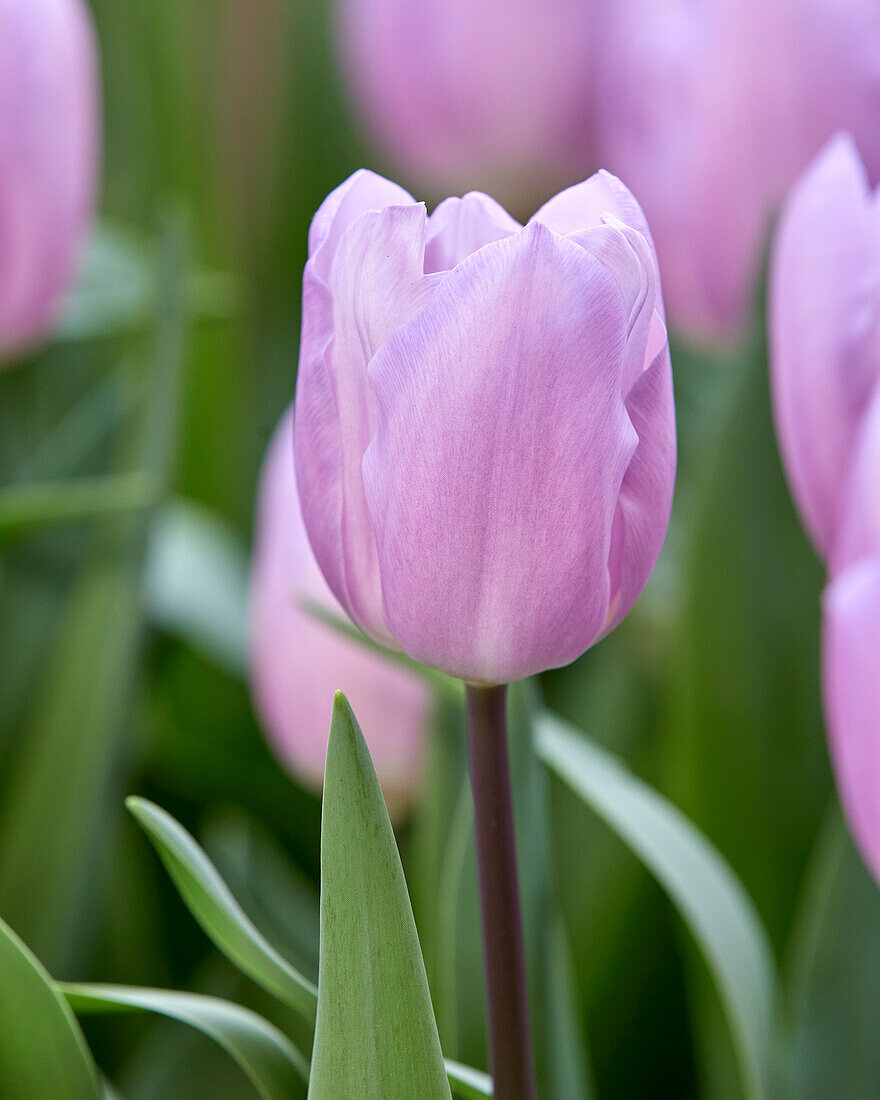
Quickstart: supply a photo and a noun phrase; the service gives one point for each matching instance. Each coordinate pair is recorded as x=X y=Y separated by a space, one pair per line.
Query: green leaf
x=271 y=1062
x=42 y=1050
x=833 y=974
x=211 y=903
x=28 y=508
x=706 y=892
x=196 y=583
x=376 y=1037
x=467 y=1083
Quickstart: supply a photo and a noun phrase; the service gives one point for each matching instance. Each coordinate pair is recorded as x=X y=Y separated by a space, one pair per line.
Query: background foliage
x=226 y=126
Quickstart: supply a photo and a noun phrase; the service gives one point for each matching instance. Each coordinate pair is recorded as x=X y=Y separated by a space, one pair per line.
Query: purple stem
x=503 y=949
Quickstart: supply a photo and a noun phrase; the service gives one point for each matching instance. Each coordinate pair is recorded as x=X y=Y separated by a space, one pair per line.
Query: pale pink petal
x=825 y=306
x=49 y=158
x=459 y=227
x=851 y=656
x=503 y=441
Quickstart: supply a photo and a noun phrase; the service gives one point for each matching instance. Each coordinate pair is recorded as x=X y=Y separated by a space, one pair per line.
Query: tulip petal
x=646 y=494
x=49 y=153
x=297 y=663
x=851 y=657
x=459 y=227
x=362 y=191
x=859 y=527
x=588 y=204
x=825 y=309
x=645 y=500
x=375 y=284
x=627 y=254
x=503 y=404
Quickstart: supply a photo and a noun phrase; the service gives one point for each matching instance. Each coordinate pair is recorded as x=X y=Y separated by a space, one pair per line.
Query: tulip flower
x=485 y=436
x=49 y=140
x=825 y=330
x=476 y=93
x=298 y=662
x=711 y=109
x=851 y=645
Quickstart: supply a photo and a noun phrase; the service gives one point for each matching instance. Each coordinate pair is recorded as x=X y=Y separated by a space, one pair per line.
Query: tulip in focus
x=298 y=662
x=485 y=435
x=711 y=108
x=477 y=93
x=49 y=141
x=825 y=330
x=851 y=646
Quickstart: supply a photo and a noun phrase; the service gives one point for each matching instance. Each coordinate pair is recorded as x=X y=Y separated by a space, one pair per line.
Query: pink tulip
x=711 y=108
x=825 y=329
x=297 y=662
x=485 y=436
x=477 y=93
x=49 y=140
x=851 y=646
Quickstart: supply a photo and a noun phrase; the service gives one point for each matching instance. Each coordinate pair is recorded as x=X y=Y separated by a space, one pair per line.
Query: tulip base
x=503 y=946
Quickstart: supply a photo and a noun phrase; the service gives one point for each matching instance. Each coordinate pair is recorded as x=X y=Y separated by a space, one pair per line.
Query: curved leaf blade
x=270 y=1061
x=42 y=1050
x=376 y=1036
x=705 y=890
x=221 y=917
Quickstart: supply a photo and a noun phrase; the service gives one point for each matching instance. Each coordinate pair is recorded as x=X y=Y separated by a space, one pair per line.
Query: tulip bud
x=298 y=662
x=485 y=436
x=49 y=139
x=710 y=110
x=825 y=329
x=851 y=645
x=477 y=93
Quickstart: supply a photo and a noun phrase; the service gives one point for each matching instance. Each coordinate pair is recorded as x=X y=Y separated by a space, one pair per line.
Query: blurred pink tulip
x=851 y=646
x=477 y=93
x=825 y=329
x=297 y=662
x=711 y=108
x=49 y=149
x=485 y=431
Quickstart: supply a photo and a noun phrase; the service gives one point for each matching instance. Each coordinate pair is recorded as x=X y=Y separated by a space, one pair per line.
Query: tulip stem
x=503 y=947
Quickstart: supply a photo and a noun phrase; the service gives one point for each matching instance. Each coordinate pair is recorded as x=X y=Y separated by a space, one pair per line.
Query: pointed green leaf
x=271 y=1062
x=42 y=1050
x=705 y=890
x=211 y=903
x=376 y=1037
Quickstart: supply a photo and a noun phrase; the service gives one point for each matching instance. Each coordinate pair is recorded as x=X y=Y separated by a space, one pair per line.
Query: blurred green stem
x=503 y=944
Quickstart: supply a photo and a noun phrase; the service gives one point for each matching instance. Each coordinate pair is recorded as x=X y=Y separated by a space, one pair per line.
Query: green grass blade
x=211 y=903
x=705 y=890
x=271 y=1062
